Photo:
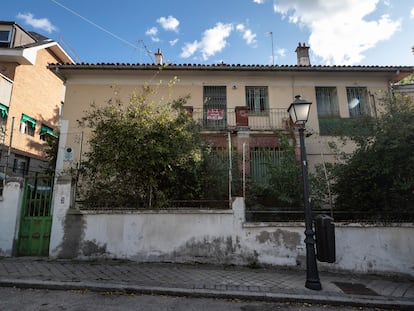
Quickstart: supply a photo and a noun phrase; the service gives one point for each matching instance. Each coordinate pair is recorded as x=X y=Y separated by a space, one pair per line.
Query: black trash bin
x=325 y=238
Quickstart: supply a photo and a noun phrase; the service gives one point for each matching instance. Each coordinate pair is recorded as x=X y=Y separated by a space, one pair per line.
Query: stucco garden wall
x=10 y=204
x=220 y=237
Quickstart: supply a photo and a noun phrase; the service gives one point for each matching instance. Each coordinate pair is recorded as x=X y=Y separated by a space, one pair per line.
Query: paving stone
x=270 y=283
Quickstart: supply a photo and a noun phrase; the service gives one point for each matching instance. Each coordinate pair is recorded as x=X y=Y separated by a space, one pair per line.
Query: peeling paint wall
x=221 y=237
x=275 y=245
x=181 y=236
x=369 y=248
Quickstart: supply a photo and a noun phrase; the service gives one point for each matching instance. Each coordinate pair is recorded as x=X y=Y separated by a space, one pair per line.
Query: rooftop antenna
x=147 y=51
x=270 y=33
x=66 y=46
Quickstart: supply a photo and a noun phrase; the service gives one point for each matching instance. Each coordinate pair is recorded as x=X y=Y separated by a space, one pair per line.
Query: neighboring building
x=30 y=97
x=247 y=103
x=404 y=90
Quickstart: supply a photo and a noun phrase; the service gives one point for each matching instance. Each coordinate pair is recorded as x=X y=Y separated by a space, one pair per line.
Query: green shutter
x=47 y=130
x=29 y=120
x=4 y=111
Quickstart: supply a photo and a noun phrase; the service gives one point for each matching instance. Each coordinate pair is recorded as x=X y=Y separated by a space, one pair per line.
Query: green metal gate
x=36 y=219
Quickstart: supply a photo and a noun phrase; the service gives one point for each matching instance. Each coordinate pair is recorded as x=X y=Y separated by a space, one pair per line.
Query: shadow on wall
x=74 y=231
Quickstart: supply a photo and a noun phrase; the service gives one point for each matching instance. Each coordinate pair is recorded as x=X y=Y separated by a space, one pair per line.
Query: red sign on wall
x=214 y=114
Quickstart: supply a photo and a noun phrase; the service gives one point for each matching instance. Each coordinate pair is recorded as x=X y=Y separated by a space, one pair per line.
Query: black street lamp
x=299 y=113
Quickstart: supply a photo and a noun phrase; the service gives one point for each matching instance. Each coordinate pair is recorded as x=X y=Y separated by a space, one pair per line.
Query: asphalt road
x=13 y=299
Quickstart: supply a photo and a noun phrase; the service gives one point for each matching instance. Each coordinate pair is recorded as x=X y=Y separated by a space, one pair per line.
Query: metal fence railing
x=220 y=119
x=296 y=214
x=271 y=119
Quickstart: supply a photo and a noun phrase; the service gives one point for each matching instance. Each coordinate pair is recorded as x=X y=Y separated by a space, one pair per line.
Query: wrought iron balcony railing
x=216 y=119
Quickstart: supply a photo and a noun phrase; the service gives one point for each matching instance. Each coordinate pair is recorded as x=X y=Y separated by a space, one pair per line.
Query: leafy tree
x=51 y=152
x=407 y=80
x=378 y=177
x=144 y=154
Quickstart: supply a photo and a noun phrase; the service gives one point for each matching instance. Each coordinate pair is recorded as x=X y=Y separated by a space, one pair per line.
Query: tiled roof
x=38 y=37
x=393 y=73
x=229 y=67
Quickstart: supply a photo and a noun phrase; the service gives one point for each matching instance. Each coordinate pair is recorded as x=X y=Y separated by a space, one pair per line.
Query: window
x=27 y=125
x=327 y=102
x=21 y=165
x=215 y=96
x=357 y=101
x=46 y=131
x=257 y=100
x=4 y=38
x=215 y=106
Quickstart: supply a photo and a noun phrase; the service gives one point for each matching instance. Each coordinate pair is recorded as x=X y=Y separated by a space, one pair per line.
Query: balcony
x=221 y=119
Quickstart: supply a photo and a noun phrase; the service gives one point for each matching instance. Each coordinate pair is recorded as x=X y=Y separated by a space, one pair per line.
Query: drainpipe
x=8 y=152
x=230 y=166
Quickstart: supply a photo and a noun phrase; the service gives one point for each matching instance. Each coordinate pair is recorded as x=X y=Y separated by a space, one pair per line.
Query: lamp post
x=299 y=112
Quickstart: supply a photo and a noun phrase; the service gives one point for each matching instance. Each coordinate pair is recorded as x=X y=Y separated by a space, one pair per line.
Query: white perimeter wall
x=221 y=237
x=10 y=204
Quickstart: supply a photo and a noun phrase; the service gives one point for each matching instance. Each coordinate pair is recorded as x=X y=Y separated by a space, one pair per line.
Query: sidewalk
x=271 y=284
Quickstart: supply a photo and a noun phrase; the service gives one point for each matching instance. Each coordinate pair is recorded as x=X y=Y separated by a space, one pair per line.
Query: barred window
x=215 y=106
x=214 y=96
x=257 y=99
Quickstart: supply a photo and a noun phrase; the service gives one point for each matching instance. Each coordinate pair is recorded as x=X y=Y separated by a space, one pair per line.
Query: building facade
x=244 y=106
x=30 y=98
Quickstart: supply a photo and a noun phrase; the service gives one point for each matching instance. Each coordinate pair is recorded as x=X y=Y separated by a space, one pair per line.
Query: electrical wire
x=102 y=28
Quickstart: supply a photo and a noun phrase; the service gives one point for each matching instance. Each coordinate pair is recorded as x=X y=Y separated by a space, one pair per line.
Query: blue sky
x=339 y=32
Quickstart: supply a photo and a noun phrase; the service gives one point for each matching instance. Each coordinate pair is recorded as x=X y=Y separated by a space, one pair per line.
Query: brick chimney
x=158 y=58
x=302 y=52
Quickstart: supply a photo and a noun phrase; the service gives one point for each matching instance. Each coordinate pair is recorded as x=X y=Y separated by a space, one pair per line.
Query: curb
x=367 y=301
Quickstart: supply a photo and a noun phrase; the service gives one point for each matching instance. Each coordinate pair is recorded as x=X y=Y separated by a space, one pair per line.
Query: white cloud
x=412 y=13
x=339 y=32
x=38 y=23
x=189 y=49
x=173 y=42
x=152 y=32
x=212 y=42
x=169 y=23
x=281 y=52
x=247 y=34
x=259 y=1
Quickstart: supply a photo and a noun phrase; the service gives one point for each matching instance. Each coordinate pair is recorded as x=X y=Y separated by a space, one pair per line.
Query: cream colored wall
x=90 y=86
x=37 y=92
x=8 y=69
x=317 y=147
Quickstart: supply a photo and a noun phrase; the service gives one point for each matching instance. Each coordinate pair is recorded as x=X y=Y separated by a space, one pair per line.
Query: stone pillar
x=10 y=207
x=62 y=197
